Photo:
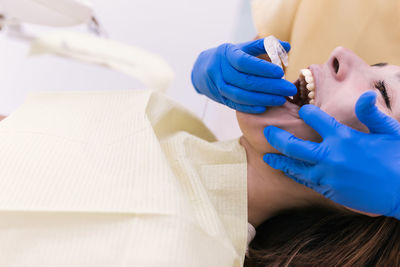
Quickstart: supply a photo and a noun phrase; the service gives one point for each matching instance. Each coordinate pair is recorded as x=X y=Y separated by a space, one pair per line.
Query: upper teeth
x=310 y=85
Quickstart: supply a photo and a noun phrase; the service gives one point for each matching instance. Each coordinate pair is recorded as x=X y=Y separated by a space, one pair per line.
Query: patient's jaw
x=338 y=87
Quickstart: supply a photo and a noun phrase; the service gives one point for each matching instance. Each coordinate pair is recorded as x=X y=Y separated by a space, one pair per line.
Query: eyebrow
x=379 y=64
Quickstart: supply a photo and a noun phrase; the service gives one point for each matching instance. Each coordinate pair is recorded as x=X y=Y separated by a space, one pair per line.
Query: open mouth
x=305 y=89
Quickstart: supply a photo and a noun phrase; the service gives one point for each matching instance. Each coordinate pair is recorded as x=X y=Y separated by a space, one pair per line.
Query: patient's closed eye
x=380 y=85
x=379 y=64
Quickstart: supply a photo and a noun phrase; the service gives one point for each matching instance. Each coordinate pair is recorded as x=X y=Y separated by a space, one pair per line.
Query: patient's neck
x=269 y=190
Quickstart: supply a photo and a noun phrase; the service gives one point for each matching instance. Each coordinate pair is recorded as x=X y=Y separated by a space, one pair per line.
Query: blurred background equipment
x=146 y=67
x=175 y=30
x=58 y=13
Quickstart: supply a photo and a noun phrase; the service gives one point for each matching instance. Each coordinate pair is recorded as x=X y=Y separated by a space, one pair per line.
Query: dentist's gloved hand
x=358 y=170
x=232 y=75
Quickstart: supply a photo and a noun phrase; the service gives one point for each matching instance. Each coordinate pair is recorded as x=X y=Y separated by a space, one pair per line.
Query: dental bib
x=119 y=178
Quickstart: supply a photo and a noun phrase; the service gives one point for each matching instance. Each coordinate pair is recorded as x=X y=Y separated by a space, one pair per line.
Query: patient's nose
x=342 y=62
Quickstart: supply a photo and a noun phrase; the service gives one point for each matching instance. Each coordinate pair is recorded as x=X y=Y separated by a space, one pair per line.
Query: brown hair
x=320 y=236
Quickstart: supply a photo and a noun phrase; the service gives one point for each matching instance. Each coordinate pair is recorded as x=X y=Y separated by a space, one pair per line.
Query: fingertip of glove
x=259 y=43
x=245 y=109
x=369 y=93
x=286 y=45
x=252 y=44
x=268 y=130
x=307 y=109
x=292 y=89
x=278 y=72
x=267 y=158
x=272 y=160
x=368 y=97
x=278 y=101
x=259 y=110
x=366 y=101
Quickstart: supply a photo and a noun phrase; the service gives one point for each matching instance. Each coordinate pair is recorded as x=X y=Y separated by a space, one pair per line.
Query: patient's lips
x=305 y=88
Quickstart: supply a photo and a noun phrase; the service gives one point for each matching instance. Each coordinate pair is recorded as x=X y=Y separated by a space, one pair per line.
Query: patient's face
x=338 y=85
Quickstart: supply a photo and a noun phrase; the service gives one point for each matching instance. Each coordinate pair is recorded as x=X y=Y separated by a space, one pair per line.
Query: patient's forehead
x=389 y=71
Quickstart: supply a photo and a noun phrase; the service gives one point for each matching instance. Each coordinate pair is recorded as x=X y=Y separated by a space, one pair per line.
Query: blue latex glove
x=232 y=75
x=355 y=169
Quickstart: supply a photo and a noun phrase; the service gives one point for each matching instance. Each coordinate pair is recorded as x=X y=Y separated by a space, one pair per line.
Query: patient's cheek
x=252 y=127
x=345 y=114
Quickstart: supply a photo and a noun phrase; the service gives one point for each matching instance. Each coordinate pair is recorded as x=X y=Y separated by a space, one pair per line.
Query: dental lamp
x=56 y=13
x=149 y=68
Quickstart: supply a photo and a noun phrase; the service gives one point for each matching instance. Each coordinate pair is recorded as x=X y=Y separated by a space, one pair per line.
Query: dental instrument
x=276 y=51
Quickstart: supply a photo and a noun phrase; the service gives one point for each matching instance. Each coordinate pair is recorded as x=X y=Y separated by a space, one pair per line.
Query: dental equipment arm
x=58 y=13
x=355 y=169
x=233 y=75
x=149 y=68
x=54 y=13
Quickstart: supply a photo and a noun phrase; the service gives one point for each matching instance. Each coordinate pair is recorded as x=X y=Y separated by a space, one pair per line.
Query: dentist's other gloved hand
x=232 y=75
x=355 y=169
